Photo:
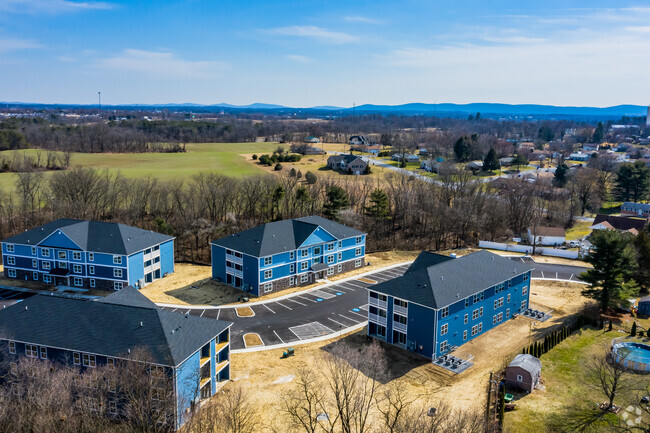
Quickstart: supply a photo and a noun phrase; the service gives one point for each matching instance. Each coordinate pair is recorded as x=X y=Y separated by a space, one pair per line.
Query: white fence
x=545 y=251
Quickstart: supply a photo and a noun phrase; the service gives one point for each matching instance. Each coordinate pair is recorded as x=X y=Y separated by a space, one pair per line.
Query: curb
x=560 y=279
x=283 y=297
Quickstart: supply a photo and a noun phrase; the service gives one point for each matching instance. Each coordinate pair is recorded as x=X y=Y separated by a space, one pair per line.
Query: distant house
x=624 y=224
x=431 y=166
x=524 y=372
x=506 y=162
x=357 y=140
x=88 y=254
x=423 y=151
x=190 y=355
x=474 y=166
x=443 y=302
x=349 y=163
x=590 y=147
x=313 y=151
x=408 y=157
x=289 y=253
x=366 y=148
x=640 y=209
x=644 y=306
x=546 y=236
x=311 y=140
x=579 y=156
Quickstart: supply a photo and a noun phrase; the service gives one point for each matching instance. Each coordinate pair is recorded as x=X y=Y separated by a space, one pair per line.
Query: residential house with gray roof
x=442 y=302
x=288 y=253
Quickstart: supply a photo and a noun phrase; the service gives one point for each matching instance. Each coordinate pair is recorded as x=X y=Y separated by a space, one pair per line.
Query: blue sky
x=306 y=53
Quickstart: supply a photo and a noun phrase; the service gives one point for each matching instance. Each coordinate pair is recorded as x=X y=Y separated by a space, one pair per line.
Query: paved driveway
x=553 y=271
x=324 y=311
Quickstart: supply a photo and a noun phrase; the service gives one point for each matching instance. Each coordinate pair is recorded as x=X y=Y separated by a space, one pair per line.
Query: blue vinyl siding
x=135 y=263
x=218 y=257
x=419 y=331
x=167 y=258
x=319 y=236
x=187 y=388
x=59 y=240
x=250 y=272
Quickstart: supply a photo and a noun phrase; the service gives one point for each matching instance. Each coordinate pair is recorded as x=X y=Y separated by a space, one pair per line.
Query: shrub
x=254 y=156
x=633 y=331
x=310 y=178
x=292 y=172
x=278 y=167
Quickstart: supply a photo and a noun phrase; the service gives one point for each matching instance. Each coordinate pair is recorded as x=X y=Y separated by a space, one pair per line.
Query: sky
x=312 y=53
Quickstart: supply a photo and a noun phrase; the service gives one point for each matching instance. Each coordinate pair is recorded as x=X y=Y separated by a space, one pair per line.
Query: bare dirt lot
x=193 y=284
x=260 y=371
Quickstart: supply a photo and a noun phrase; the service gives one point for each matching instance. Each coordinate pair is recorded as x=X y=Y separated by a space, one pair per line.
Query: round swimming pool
x=635 y=356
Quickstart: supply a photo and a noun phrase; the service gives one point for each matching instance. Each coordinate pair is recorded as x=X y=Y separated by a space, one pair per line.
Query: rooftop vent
x=141 y=324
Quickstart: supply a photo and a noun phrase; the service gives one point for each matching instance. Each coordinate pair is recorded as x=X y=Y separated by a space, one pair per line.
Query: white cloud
x=52 y=6
x=8 y=45
x=159 y=65
x=314 y=32
x=299 y=59
x=361 y=19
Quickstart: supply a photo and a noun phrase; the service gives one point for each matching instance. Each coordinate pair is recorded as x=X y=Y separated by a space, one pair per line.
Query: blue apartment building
x=88 y=254
x=289 y=253
x=192 y=352
x=442 y=302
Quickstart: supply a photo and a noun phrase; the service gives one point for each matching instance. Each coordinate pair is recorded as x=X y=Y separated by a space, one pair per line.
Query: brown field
x=266 y=375
x=193 y=284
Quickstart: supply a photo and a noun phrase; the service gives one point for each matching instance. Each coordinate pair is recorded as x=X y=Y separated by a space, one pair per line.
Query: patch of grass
x=610 y=207
x=579 y=230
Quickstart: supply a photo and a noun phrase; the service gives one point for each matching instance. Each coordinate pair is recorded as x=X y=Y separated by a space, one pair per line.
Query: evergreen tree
x=561 y=177
x=599 y=133
x=378 y=208
x=610 y=326
x=310 y=178
x=520 y=160
x=337 y=199
x=292 y=172
x=466 y=148
x=491 y=162
x=614 y=262
x=642 y=246
x=632 y=182
x=633 y=331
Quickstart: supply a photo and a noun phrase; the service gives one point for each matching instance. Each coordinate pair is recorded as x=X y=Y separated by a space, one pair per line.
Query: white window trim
x=11 y=248
x=11 y=260
x=92 y=282
x=12 y=273
x=118 y=285
x=117 y=260
x=12 y=347
x=268 y=274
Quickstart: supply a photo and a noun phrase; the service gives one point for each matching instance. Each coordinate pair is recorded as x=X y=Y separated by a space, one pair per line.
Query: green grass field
x=224 y=158
x=579 y=230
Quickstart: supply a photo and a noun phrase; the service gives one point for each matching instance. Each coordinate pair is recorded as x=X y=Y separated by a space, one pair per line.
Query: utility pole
x=99 y=97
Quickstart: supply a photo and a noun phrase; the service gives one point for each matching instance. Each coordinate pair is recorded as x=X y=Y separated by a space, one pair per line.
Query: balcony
x=399 y=326
x=234 y=272
x=220 y=346
x=234 y=259
x=377 y=303
x=204 y=360
x=220 y=366
x=375 y=318
x=204 y=381
x=402 y=311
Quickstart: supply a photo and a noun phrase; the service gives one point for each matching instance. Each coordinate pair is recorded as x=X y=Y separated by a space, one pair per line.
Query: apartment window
x=330 y=247
x=304 y=253
x=523 y=305
x=10 y=248
x=475 y=314
x=112 y=406
x=76 y=269
x=498 y=303
x=76 y=358
x=268 y=274
x=444 y=328
x=330 y=259
x=92 y=283
x=292 y=281
x=304 y=266
x=118 y=285
x=474 y=330
x=31 y=351
x=268 y=261
x=443 y=347
x=91 y=257
x=357 y=252
x=268 y=287
x=466 y=319
x=147 y=263
x=304 y=278
x=480 y=311
x=33 y=251
x=316 y=251
x=91 y=270
x=520 y=378
x=330 y=271
x=43 y=351
x=339 y=268
x=465 y=335
x=399 y=337
x=381 y=331
x=357 y=263
x=46 y=265
x=117 y=260
x=45 y=252
x=399 y=319
x=12 y=273
x=318 y=260
x=63 y=265
x=509 y=283
x=35 y=276
x=359 y=239
x=480 y=327
x=292 y=268
x=89 y=360
x=47 y=279
x=76 y=255
x=291 y=255
x=12 y=347
x=400 y=303
x=508 y=298
x=340 y=256
x=35 y=263
x=78 y=282
x=525 y=277
x=11 y=260
x=508 y=313
x=117 y=273
x=62 y=255
x=466 y=302
x=524 y=290
x=444 y=312
x=340 y=244
x=110 y=363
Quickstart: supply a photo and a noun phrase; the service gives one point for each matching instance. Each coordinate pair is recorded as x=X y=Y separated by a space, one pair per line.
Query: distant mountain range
x=486 y=109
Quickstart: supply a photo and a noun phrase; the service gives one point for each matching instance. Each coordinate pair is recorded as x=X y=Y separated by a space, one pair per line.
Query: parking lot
x=10 y=296
x=325 y=310
x=549 y=271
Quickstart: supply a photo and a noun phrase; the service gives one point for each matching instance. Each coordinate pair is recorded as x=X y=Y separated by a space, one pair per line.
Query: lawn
x=225 y=158
x=579 y=230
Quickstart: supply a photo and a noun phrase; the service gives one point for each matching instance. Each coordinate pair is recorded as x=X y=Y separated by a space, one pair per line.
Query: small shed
x=644 y=306
x=524 y=372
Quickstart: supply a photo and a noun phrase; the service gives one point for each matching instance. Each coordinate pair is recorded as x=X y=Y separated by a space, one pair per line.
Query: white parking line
x=360 y=315
x=364 y=307
x=306 y=299
x=571 y=276
x=282 y=305
x=556 y=275
x=542 y=273
x=276 y=334
x=267 y=307
x=338 y=323
x=202 y=313
x=293 y=300
x=174 y=309
x=218 y=312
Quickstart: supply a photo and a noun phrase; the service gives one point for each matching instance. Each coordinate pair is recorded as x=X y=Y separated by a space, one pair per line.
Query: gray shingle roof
x=527 y=362
x=620 y=223
x=109 y=327
x=94 y=236
x=280 y=236
x=437 y=281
